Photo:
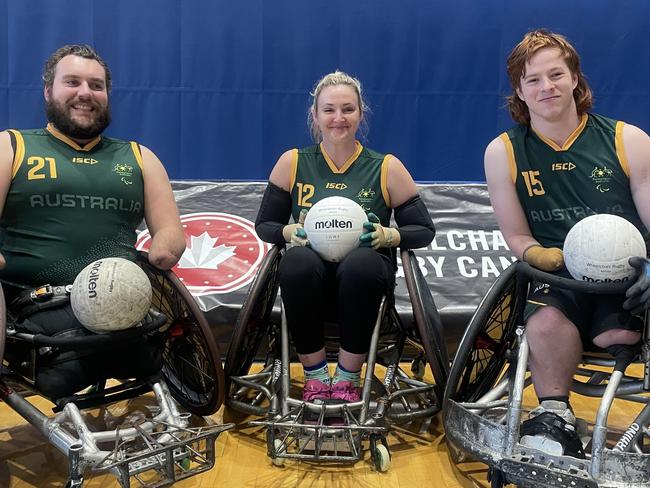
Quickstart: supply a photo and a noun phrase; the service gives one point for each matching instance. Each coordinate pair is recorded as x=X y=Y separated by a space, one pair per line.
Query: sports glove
x=638 y=295
x=295 y=233
x=544 y=258
x=376 y=236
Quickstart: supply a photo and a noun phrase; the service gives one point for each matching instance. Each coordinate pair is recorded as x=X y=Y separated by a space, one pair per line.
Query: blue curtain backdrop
x=219 y=89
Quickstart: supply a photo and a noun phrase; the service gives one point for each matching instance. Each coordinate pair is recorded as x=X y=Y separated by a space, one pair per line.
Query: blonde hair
x=334 y=79
x=532 y=42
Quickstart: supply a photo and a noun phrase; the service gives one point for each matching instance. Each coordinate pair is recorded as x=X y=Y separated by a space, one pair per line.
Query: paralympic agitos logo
x=223 y=252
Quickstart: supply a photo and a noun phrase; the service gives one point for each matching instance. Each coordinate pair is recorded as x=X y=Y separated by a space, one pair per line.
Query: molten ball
x=598 y=247
x=333 y=226
x=110 y=294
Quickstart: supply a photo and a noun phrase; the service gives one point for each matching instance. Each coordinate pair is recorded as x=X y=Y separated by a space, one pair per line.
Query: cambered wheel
x=427 y=319
x=253 y=323
x=489 y=336
x=191 y=359
x=3 y=325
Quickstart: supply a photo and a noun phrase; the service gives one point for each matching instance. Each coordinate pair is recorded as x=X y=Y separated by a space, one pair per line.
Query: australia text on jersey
x=84 y=201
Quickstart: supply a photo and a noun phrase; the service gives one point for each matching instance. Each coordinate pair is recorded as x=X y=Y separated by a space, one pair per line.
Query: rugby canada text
x=477 y=253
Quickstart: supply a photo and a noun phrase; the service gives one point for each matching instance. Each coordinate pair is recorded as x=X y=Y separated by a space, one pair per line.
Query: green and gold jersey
x=68 y=206
x=558 y=186
x=362 y=178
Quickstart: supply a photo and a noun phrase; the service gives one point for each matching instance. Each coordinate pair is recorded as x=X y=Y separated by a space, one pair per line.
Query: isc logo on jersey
x=223 y=252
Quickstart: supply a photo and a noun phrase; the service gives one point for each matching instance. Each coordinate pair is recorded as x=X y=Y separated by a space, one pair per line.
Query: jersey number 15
x=533 y=185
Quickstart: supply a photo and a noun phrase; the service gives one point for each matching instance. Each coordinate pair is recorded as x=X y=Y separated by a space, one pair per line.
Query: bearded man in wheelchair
x=70 y=196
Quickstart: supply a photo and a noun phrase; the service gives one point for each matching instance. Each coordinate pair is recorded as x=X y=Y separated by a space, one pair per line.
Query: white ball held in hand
x=333 y=226
x=599 y=246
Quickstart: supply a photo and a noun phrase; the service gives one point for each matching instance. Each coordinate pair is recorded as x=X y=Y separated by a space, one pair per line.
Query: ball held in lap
x=110 y=294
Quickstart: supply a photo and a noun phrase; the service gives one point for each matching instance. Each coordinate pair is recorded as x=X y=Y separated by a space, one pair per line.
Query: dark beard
x=58 y=115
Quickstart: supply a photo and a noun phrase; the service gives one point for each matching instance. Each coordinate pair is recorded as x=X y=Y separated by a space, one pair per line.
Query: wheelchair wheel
x=427 y=319
x=489 y=336
x=253 y=323
x=3 y=326
x=191 y=359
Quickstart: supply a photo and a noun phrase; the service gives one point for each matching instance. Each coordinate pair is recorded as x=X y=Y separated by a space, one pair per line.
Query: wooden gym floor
x=419 y=456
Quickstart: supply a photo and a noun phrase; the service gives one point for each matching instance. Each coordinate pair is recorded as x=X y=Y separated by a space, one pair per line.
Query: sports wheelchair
x=160 y=447
x=483 y=404
x=261 y=332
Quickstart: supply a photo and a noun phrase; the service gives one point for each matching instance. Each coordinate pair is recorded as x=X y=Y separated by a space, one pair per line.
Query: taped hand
x=544 y=258
x=295 y=233
x=638 y=295
x=375 y=235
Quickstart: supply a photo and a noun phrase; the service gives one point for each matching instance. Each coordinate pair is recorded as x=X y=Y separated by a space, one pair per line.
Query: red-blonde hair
x=523 y=52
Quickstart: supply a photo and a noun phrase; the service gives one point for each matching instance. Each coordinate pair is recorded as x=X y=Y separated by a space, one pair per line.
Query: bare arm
x=415 y=228
x=505 y=202
x=637 y=148
x=401 y=186
x=281 y=172
x=6 y=161
x=161 y=214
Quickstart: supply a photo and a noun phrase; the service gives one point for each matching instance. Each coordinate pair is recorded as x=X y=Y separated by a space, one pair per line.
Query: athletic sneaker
x=551 y=428
x=345 y=391
x=559 y=408
x=315 y=391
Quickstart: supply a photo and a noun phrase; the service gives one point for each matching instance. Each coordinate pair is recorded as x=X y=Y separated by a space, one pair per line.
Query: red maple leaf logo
x=223 y=252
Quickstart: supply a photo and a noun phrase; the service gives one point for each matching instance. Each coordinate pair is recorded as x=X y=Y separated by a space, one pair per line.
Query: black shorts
x=592 y=314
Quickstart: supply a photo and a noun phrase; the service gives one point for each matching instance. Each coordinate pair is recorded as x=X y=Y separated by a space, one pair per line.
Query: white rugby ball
x=598 y=248
x=110 y=294
x=333 y=226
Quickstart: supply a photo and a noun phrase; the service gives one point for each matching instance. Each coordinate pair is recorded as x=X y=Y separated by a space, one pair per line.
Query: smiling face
x=547 y=87
x=77 y=100
x=337 y=114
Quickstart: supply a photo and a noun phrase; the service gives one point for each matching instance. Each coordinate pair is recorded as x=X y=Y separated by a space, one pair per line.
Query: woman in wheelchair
x=349 y=292
x=536 y=203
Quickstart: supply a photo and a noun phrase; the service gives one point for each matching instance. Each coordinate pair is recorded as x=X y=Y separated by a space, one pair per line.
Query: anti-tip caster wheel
x=277 y=446
x=417 y=368
x=381 y=458
x=496 y=478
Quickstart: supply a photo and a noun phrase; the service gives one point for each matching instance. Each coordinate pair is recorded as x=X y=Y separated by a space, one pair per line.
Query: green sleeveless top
x=362 y=178
x=68 y=206
x=558 y=186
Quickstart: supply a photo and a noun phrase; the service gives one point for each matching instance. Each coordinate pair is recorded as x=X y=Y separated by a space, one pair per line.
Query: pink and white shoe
x=345 y=391
x=315 y=391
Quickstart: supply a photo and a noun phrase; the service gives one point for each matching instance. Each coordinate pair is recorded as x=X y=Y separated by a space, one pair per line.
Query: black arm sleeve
x=273 y=214
x=414 y=223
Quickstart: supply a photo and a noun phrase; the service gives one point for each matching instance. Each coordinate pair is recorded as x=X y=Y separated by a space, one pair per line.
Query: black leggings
x=348 y=292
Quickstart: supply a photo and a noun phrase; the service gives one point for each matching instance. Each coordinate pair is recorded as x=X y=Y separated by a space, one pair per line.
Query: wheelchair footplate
x=333 y=437
x=483 y=437
x=163 y=457
x=153 y=449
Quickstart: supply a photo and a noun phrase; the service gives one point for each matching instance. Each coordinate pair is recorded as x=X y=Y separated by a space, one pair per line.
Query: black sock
x=558 y=398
